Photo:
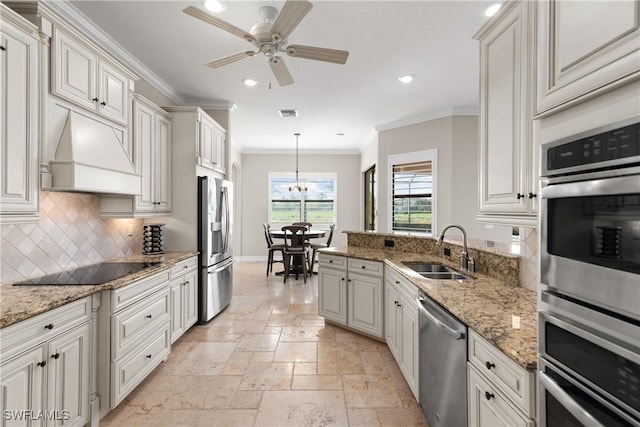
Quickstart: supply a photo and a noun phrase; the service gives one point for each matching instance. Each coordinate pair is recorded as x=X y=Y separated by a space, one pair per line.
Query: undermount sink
x=432 y=270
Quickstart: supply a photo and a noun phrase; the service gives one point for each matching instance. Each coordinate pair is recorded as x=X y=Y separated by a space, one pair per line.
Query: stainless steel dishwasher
x=443 y=365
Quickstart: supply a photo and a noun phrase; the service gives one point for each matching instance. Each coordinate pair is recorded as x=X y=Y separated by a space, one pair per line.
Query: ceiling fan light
x=492 y=9
x=214 y=6
x=249 y=82
x=406 y=78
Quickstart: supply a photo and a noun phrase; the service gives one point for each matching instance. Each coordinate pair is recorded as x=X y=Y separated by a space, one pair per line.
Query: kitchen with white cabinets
x=104 y=132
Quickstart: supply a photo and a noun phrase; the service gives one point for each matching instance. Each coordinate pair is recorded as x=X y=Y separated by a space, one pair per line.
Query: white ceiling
x=430 y=39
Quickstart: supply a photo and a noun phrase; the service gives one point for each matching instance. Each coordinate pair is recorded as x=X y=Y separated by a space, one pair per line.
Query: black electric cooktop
x=95 y=274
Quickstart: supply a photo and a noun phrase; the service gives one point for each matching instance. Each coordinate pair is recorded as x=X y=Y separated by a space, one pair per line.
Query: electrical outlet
x=389 y=243
x=447 y=251
x=130 y=230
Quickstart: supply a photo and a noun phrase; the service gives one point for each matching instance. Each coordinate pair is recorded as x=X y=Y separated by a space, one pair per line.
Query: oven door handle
x=567 y=401
x=596 y=187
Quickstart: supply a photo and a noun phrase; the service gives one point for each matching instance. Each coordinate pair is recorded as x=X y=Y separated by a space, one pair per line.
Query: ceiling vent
x=288 y=113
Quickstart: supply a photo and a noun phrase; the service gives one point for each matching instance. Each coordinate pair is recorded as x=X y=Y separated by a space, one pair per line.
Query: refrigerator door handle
x=221 y=267
x=225 y=218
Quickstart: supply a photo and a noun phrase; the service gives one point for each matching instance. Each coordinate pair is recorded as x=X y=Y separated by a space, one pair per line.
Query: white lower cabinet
x=134 y=336
x=350 y=293
x=184 y=297
x=500 y=392
x=401 y=326
x=46 y=363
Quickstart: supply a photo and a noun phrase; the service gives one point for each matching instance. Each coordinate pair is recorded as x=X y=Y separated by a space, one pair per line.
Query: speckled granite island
x=496 y=308
x=19 y=303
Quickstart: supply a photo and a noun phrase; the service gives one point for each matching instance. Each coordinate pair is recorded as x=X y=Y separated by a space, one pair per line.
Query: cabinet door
x=218 y=158
x=409 y=343
x=391 y=321
x=177 y=308
x=487 y=407
x=74 y=71
x=365 y=303
x=19 y=123
x=575 y=63
x=190 y=299
x=162 y=175
x=143 y=140
x=113 y=93
x=22 y=386
x=505 y=130
x=332 y=295
x=68 y=376
x=207 y=144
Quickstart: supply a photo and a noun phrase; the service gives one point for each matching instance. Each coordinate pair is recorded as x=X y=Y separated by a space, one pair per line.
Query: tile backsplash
x=70 y=234
x=529 y=255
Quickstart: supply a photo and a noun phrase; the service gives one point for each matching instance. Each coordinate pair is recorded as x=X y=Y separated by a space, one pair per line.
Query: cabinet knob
x=397 y=282
x=49 y=326
x=349 y=280
x=186 y=283
x=95 y=99
x=489 y=365
x=343 y=279
x=532 y=195
x=3 y=48
x=148 y=316
x=103 y=103
x=330 y=261
x=42 y=364
x=148 y=356
x=185 y=267
x=488 y=395
x=363 y=267
x=55 y=356
x=519 y=196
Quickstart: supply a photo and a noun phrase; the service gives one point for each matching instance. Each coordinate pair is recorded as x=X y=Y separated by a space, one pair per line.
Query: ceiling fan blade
x=290 y=16
x=229 y=59
x=280 y=70
x=217 y=22
x=318 y=53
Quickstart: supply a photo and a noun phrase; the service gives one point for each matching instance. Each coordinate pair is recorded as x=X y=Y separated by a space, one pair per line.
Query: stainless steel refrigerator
x=215 y=199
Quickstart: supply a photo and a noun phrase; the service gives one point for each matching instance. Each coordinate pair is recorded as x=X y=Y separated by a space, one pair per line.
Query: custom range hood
x=90 y=158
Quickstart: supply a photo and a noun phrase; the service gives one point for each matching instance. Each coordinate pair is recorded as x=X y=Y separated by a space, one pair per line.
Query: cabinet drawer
x=128 y=372
x=404 y=286
x=487 y=406
x=332 y=261
x=365 y=267
x=136 y=291
x=514 y=381
x=133 y=324
x=184 y=266
x=44 y=326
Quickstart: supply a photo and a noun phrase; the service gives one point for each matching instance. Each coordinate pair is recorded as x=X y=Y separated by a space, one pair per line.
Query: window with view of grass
x=413 y=192
x=316 y=205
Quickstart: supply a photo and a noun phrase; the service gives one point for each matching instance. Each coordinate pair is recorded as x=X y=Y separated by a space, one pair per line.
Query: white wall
x=255 y=193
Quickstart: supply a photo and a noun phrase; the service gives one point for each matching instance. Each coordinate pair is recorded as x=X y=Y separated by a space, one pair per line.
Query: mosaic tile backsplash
x=70 y=234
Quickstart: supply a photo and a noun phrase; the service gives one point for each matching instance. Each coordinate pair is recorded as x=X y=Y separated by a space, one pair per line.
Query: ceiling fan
x=270 y=38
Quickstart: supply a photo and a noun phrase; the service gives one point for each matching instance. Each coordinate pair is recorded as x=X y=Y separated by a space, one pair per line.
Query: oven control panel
x=620 y=143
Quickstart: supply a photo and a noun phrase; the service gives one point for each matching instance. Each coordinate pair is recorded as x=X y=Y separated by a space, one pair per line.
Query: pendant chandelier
x=298 y=186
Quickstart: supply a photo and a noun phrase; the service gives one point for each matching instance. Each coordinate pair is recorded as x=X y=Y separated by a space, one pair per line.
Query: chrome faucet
x=464 y=255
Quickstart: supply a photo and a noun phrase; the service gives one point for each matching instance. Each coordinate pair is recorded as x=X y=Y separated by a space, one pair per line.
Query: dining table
x=313 y=233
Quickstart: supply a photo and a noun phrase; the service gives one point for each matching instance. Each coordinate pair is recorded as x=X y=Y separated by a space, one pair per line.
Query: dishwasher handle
x=453 y=333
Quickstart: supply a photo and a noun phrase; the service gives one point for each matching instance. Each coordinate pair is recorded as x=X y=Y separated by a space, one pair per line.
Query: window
x=316 y=205
x=412 y=192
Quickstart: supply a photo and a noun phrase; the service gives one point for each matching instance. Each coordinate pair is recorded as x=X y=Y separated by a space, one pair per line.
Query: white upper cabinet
x=583 y=49
x=211 y=147
x=508 y=162
x=19 y=90
x=82 y=76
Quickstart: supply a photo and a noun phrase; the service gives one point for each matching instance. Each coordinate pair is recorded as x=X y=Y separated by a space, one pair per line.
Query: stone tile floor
x=270 y=360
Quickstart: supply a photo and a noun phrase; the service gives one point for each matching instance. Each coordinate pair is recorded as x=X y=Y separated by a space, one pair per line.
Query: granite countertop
x=19 y=303
x=504 y=315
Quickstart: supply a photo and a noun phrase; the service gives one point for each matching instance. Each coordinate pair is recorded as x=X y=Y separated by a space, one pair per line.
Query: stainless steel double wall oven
x=589 y=313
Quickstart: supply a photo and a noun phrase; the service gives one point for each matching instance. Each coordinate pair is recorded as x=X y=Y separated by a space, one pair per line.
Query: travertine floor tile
x=302 y=408
x=269 y=359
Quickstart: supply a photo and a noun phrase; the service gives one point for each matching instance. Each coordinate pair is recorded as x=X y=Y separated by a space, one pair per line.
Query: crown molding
x=209 y=104
x=448 y=112
x=76 y=18
x=250 y=151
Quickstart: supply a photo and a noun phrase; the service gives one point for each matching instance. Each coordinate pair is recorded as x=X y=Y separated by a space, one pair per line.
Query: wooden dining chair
x=272 y=248
x=314 y=247
x=304 y=224
x=295 y=249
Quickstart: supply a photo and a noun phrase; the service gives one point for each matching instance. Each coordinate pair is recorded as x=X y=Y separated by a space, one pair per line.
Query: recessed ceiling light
x=492 y=10
x=250 y=82
x=214 y=6
x=407 y=78
x=288 y=113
